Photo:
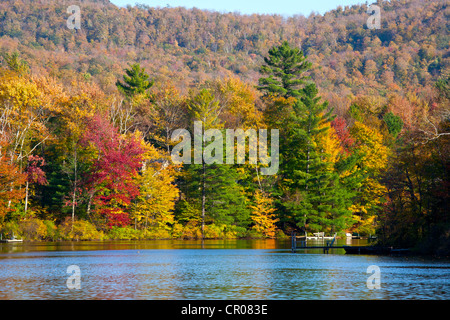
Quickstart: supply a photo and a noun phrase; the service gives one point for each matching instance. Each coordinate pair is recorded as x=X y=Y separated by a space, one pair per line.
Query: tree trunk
x=26 y=198
x=89 y=205
x=203 y=198
x=307 y=173
x=73 y=208
x=75 y=182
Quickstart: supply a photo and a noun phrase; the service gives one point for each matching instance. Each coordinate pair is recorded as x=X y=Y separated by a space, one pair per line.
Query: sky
x=283 y=7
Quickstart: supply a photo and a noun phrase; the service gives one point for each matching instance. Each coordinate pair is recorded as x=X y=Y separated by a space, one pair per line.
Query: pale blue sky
x=283 y=7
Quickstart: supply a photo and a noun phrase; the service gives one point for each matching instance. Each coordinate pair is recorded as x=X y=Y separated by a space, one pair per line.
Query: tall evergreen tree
x=285 y=68
x=443 y=88
x=225 y=202
x=313 y=194
x=394 y=123
x=302 y=167
x=213 y=189
x=15 y=63
x=204 y=107
x=136 y=81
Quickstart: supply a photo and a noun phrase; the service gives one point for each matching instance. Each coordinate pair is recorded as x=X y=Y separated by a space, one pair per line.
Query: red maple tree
x=111 y=178
x=340 y=126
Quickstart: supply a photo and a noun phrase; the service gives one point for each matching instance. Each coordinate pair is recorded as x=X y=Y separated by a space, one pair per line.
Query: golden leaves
x=263 y=215
x=158 y=192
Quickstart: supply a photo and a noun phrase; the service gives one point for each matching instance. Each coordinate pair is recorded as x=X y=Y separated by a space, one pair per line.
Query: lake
x=214 y=269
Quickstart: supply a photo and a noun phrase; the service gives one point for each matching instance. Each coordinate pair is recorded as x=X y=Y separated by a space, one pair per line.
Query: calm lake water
x=233 y=269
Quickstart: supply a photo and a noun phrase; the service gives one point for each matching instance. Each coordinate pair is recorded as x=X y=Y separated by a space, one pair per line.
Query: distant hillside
x=411 y=50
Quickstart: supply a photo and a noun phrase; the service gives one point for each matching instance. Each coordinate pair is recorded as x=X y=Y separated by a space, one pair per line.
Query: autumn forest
x=87 y=117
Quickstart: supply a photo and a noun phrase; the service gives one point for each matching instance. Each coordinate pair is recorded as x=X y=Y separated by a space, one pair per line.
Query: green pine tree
x=136 y=81
x=285 y=68
x=225 y=201
x=15 y=63
x=314 y=195
x=394 y=123
x=347 y=183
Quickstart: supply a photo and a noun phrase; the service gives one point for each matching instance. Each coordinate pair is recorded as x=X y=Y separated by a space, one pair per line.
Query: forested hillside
x=409 y=52
x=87 y=115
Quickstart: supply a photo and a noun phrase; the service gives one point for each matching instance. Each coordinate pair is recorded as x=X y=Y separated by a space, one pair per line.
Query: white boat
x=12 y=240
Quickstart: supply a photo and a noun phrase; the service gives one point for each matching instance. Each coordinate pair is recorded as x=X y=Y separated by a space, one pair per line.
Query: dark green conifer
x=285 y=68
x=136 y=81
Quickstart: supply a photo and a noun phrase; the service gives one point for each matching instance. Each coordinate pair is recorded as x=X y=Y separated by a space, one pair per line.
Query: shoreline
x=412 y=252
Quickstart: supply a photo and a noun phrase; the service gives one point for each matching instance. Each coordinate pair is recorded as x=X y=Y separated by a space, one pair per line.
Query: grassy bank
x=47 y=230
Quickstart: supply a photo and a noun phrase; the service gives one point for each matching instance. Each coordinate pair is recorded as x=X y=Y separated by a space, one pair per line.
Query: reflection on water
x=195 y=270
x=145 y=245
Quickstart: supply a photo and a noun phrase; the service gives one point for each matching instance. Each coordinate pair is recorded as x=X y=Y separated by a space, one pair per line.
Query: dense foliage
x=87 y=116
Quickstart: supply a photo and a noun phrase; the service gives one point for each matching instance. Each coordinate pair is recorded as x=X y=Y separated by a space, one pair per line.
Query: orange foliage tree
x=11 y=181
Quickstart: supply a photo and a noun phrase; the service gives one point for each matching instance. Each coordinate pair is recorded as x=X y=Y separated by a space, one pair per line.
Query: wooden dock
x=295 y=245
x=329 y=243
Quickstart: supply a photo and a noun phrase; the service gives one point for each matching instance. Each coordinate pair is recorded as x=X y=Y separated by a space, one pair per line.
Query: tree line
x=77 y=163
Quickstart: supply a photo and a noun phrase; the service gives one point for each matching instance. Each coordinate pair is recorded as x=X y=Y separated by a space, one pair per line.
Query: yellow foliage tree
x=167 y=112
x=154 y=206
x=262 y=215
x=22 y=115
x=329 y=144
x=369 y=144
x=238 y=100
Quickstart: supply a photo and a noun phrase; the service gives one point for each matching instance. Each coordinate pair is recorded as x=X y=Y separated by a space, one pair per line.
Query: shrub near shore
x=35 y=229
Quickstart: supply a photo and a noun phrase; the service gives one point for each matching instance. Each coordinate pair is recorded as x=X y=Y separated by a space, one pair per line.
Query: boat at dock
x=13 y=239
x=328 y=245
